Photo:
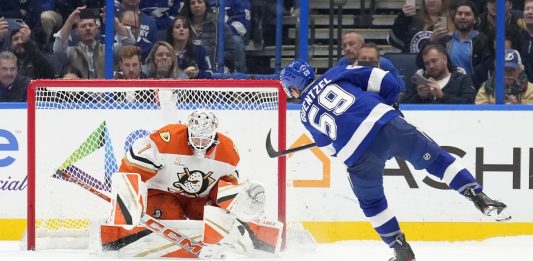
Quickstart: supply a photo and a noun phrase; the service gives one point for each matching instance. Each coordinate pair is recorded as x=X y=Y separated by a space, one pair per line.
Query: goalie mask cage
x=83 y=127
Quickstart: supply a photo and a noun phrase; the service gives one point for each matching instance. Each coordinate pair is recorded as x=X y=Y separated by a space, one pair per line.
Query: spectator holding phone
x=466 y=46
x=89 y=54
x=7 y=26
x=30 y=61
x=13 y=87
x=411 y=30
x=439 y=82
x=66 y=7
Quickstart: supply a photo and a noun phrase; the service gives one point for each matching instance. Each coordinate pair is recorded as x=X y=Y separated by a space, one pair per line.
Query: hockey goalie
x=188 y=173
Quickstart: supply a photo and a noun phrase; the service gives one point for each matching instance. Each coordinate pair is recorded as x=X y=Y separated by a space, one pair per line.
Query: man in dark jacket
x=30 y=61
x=12 y=85
x=441 y=83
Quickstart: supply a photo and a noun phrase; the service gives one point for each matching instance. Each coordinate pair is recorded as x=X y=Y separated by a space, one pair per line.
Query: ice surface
x=506 y=248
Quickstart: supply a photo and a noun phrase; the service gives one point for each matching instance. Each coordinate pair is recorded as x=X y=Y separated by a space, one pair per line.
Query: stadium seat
x=58 y=62
x=405 y=63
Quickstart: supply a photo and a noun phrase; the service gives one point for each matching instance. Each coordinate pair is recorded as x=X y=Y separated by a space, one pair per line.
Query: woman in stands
x=204 y=31
x=161 y=61
x=192 y=59
x=411 y=29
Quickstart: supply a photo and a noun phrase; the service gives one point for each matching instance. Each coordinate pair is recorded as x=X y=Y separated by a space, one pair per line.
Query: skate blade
x=502 y=216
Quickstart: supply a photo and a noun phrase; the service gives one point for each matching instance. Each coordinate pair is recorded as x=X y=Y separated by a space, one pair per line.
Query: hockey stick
x=188 y=244
x=275 y=154
x=84 y=185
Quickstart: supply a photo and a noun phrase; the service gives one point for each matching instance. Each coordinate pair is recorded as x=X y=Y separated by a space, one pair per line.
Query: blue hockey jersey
x=346 y=107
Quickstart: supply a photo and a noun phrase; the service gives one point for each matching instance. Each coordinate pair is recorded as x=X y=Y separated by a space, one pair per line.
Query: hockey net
x=83 y=128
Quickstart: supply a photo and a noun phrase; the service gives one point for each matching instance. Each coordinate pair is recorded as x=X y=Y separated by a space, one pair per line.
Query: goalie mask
x=202 y=130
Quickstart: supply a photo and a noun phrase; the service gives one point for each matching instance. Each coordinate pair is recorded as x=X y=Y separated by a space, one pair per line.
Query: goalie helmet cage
x=83 y=127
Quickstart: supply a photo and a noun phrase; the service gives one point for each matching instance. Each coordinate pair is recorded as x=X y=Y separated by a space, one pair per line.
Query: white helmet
x=202 y=129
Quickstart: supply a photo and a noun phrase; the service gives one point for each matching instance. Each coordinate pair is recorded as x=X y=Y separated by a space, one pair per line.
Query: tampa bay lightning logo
x=509 y=56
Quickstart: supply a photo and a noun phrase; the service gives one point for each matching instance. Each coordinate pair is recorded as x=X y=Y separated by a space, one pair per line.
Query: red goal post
x=83 y=127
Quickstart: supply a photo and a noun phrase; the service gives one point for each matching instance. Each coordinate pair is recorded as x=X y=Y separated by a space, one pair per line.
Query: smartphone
x=442 y=21
x=14 y=24
x=368 y=63
x=89 y=13
x=410 y=2
x=418 y=79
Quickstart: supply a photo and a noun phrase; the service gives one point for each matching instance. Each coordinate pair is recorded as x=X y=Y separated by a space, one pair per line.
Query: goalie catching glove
x=246 y=200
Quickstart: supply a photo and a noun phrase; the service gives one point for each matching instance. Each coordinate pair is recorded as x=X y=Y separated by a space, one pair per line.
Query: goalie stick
x=275 y=154
x=188 y=244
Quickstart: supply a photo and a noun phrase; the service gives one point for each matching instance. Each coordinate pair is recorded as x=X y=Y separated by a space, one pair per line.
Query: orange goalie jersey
x=180 y=183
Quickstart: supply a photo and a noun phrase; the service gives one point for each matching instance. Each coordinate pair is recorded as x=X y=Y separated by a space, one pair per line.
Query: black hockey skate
x=488 y=206
x=403 y=251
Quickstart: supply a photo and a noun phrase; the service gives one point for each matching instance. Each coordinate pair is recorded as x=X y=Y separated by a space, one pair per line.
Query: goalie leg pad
x=265 y=235
x=252 y=238
x=219 y=225
x=115 y=237
x=128 y=201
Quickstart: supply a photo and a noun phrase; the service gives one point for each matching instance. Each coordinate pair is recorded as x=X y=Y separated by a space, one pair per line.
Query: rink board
x=495 y=143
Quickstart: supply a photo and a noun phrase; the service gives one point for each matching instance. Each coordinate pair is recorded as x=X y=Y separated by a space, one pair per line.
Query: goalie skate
x=403 y=251
x=488 y=206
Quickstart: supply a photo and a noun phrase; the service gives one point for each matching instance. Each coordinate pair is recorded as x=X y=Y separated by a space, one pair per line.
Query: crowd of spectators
x=454 y=42
x=157 y=39
x=177 y=39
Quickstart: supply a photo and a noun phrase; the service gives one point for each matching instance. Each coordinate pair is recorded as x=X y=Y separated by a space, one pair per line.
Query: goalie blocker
x=234 y=223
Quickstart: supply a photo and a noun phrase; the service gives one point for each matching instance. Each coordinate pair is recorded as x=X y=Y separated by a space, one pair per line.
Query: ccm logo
x=11 y=145
x=173 y=236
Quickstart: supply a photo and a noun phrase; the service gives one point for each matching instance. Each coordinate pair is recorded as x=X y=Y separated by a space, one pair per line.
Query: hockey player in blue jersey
x=349 y=112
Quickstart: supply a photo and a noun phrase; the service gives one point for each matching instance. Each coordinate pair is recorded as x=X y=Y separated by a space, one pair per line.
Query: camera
x=418 y=79
x=14 y=24
x=89 y=13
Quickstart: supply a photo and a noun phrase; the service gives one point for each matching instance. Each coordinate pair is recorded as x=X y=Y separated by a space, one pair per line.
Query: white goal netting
x=83 y=128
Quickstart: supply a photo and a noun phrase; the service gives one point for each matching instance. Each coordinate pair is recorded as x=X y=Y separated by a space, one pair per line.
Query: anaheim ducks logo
x=193 y=183
x=165 y=136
